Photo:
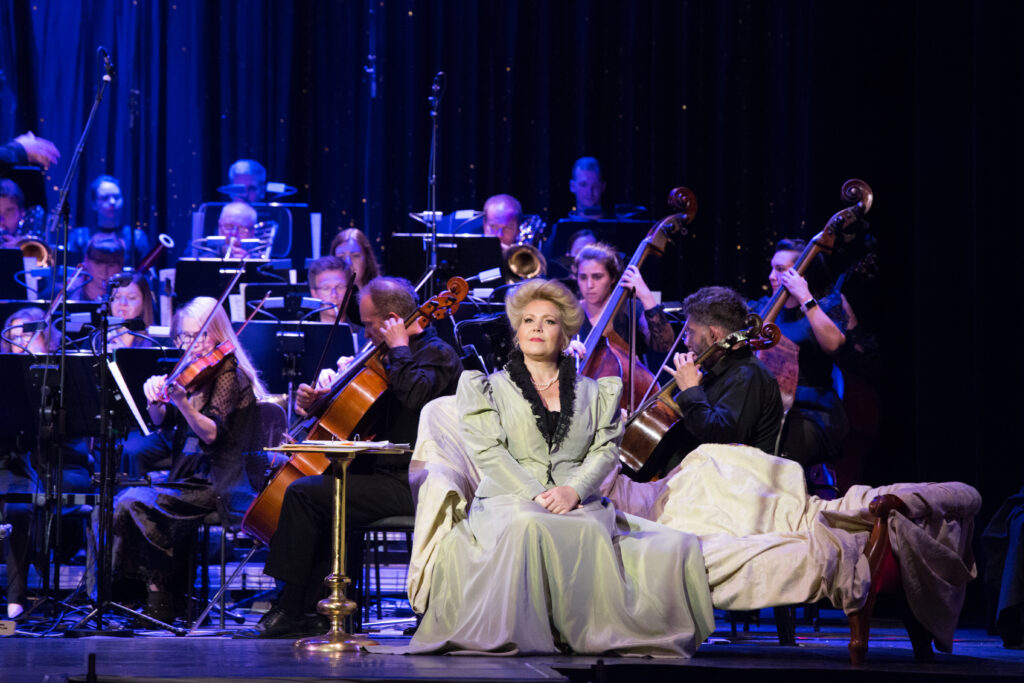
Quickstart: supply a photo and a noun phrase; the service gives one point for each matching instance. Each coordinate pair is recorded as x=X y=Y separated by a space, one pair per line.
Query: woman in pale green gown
x=543 y=564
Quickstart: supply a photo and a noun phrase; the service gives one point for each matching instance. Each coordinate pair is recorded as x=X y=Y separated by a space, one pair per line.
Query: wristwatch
x=808 y=305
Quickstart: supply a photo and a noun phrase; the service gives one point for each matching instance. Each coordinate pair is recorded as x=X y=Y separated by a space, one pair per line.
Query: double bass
x=352 y=407
x=607 y=353
x=782 y=360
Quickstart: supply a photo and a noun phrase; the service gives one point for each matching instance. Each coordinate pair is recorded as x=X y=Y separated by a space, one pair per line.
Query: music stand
x=209 y=276
x=135 y=366
x=11 y=263
x=461 y=255
x=287 y=352
x=285 y=302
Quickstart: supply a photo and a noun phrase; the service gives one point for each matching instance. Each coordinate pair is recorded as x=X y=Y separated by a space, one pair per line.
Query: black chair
x=271 y=425
x=375 y=547
x=490 y=336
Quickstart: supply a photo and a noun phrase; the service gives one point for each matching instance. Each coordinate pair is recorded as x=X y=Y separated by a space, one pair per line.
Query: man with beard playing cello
x=420 y=367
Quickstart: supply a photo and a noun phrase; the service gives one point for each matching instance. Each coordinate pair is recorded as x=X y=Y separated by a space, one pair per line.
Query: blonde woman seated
x=543 y=563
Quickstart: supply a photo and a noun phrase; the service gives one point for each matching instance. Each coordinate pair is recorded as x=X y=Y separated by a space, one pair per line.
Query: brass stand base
x=336 y=606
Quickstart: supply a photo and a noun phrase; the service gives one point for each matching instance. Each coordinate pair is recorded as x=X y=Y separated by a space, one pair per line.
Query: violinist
x=204 y=428
x=733 y=397
x=816 y=319
x=598 y=269
x=420 y=367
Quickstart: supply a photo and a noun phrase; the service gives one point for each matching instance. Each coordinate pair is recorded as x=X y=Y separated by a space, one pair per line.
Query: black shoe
x=276 y=624
x=315 y=625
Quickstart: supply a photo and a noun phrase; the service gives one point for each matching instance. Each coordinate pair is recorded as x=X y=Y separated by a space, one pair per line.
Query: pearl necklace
x=546 y=386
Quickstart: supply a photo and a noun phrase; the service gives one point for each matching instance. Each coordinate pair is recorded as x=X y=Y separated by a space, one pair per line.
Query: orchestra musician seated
x=204 y=428
x=815 y=318
x=237 y=222
x=420 y=367
x=328 y=282
x=20 y=466
x=587 y=186
x=502 y=216
x=598 y=270
x=729 y=398
x=104 y=258
x=352 y=246
x=12 y=210
x=251 y=179
x=131 y=301
x=107 y=201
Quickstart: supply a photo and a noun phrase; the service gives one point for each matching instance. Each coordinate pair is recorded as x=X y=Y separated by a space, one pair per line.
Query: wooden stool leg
x=860 y=630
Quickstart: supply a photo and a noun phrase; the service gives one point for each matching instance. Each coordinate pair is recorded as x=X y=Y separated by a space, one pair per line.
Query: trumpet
x=33 y=247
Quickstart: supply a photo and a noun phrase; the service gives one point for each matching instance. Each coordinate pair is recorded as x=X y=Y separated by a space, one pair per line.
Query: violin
x=607 y=353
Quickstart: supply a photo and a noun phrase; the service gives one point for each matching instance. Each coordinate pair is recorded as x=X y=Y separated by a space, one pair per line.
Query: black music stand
x=285 y=302
x=11 y=264
x=287 y=352
x=138 y=365
x=462 y=255
x=209 y=276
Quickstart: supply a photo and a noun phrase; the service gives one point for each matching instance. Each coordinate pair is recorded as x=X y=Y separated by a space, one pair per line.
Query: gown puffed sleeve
x=604 y=448
x=486 y=439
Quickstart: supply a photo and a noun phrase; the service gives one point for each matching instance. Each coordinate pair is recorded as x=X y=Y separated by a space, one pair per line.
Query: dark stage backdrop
x=762 y=108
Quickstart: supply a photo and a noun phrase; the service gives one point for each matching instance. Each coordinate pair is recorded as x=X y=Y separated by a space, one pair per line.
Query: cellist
x=598 y=269
x=734 y=398
x=420 y=367
x=204 y=429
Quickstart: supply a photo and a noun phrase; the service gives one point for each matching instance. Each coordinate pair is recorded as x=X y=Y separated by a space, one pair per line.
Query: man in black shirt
x=420 y=367
x=731 y=398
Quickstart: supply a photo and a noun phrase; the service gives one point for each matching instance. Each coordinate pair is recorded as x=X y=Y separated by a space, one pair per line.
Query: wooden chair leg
x=920 y=638
x=860 y=630
x=785 y=624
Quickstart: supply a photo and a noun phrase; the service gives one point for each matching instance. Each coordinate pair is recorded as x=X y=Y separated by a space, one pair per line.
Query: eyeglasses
x=234 y=228
x=332 y=289
x=185 y=338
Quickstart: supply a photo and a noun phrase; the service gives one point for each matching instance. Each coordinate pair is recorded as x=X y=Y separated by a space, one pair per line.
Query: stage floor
x=748 y=657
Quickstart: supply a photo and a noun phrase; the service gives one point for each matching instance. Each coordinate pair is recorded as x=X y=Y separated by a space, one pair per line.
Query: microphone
x=436 y=90
x=107 y=64
x=119 y=280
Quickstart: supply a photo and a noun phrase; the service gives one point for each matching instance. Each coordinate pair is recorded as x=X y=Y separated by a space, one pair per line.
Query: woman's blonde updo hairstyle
x=569 y=309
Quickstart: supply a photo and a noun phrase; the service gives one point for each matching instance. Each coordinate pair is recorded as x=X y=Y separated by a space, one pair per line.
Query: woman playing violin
x=204 y=427
x=598 y=270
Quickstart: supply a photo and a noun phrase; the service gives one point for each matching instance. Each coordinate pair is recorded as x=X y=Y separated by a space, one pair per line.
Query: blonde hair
x=219 y=330
x=570 y=317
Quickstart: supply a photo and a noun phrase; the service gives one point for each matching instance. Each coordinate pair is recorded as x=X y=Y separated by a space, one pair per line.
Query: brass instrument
x=30 y=227
x=524 y=261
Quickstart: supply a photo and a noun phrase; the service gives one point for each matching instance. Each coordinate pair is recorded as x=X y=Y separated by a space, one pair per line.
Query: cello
x=654 y=431
x=607 y=353
x=352 y=406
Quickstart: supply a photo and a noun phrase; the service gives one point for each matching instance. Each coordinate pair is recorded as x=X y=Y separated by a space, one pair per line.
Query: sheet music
x=115 y=372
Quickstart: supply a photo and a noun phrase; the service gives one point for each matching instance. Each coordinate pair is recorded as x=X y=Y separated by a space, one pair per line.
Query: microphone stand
x=436 y=92
x=52 y=422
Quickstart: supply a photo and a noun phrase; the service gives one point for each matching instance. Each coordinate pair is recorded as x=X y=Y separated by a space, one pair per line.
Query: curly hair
x=569 y=309
x=718 y=306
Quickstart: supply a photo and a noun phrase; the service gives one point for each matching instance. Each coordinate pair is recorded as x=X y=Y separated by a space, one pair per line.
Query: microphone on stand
x=107 y=64
x=436 y=90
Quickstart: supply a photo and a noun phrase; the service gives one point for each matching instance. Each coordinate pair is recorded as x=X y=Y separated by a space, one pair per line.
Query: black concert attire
x=816 y=424
x=151 y=522
x=19 y=473
x=738 y=401
x=377 y=487
x=78 y=241
x=12 y=154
